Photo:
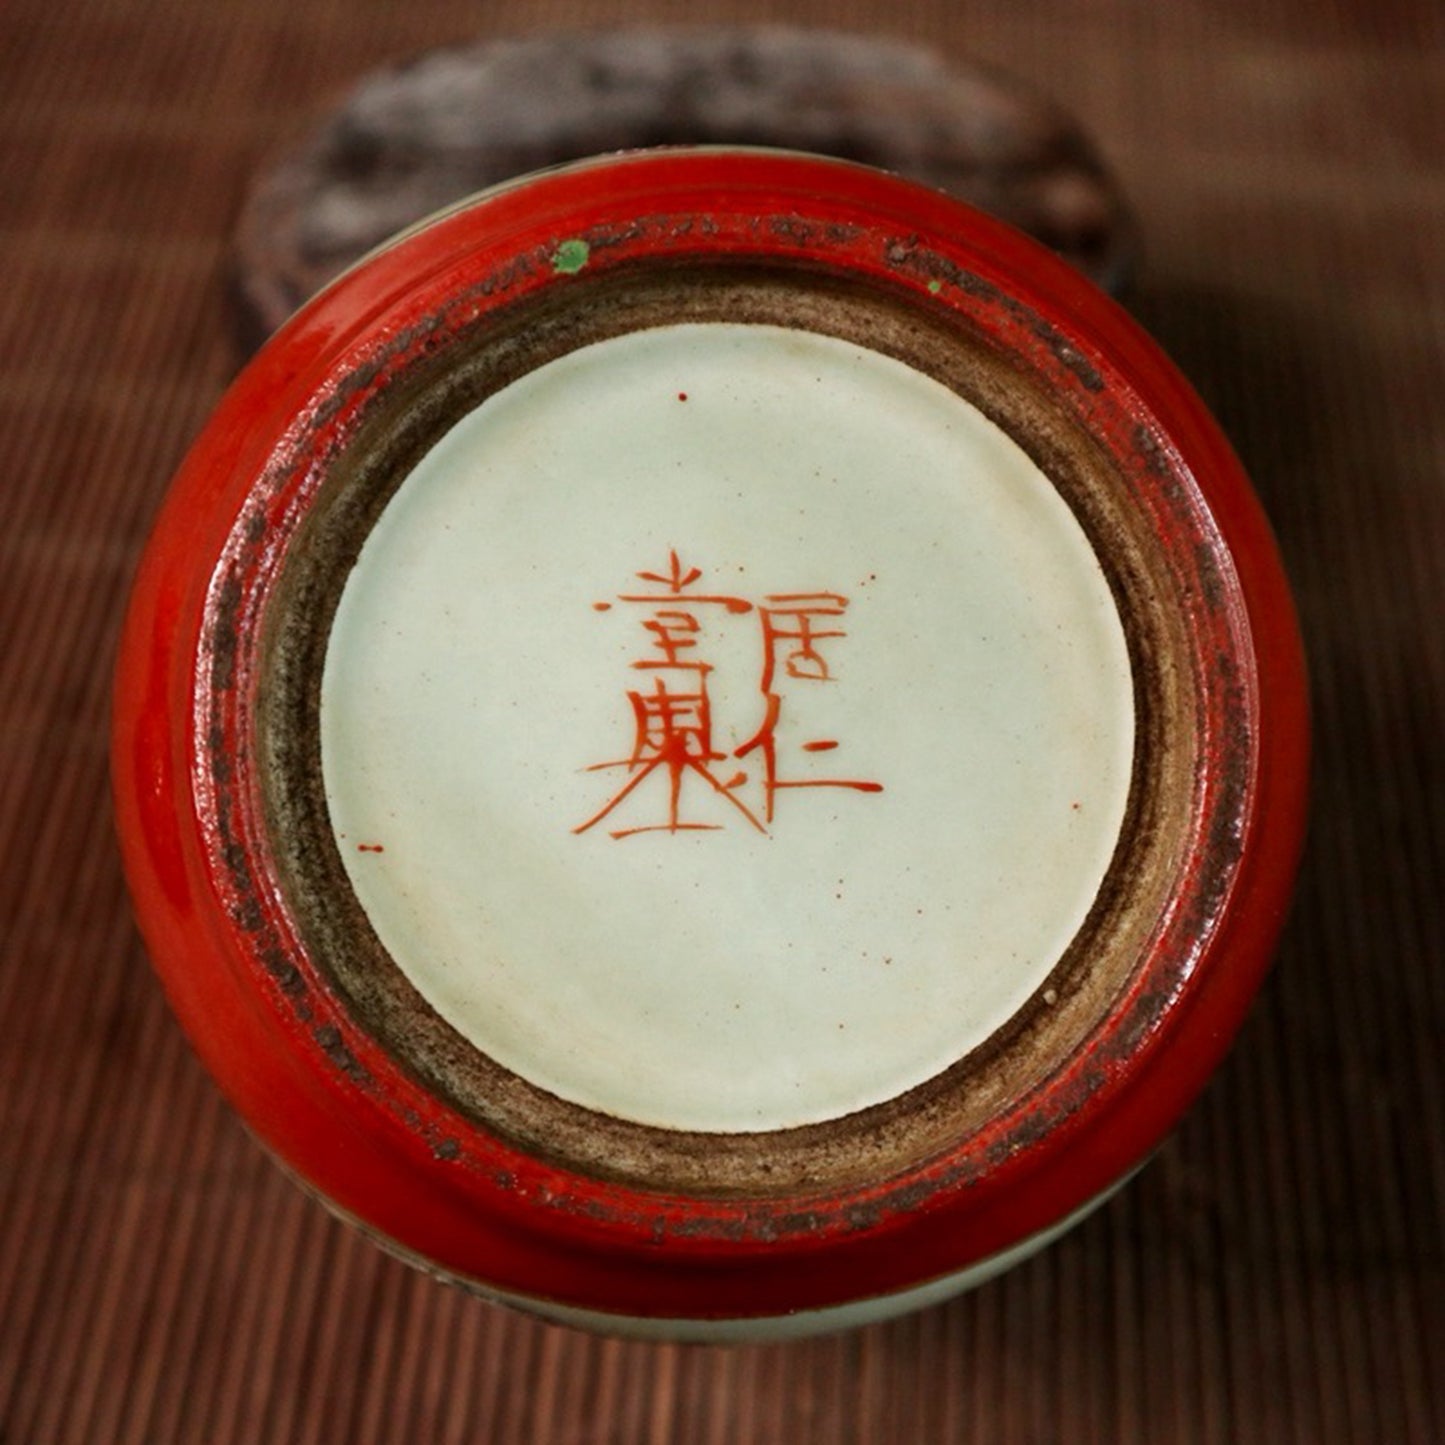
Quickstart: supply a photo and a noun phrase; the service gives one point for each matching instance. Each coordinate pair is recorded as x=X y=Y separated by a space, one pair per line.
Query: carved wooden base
x=421 y=134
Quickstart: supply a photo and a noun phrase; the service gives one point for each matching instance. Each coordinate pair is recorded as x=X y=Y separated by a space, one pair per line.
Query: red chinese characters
x=675 y=740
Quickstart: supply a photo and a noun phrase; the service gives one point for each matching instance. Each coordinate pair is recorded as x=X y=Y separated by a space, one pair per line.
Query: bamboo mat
x=1277 y=1275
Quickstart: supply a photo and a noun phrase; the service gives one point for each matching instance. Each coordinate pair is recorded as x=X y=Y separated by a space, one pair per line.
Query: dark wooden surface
x=1277 y=1275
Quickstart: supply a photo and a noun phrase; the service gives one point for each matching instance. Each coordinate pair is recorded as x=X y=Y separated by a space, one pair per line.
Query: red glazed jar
x=711 y=744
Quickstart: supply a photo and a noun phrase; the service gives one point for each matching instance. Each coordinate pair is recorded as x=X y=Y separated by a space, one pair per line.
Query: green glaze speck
x=571 y=256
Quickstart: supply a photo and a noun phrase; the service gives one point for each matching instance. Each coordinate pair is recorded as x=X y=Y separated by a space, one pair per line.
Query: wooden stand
x=424 y=133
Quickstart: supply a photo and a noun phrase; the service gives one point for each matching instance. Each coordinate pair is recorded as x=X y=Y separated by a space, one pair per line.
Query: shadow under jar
x=711 y=744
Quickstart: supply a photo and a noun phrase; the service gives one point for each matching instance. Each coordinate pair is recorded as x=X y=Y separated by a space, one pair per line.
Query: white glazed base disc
x=726 y=727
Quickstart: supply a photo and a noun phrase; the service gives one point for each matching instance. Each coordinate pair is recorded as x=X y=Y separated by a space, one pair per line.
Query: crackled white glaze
x=751 y=972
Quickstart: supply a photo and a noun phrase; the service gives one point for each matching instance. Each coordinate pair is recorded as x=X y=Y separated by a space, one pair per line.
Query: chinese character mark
x=673 y=730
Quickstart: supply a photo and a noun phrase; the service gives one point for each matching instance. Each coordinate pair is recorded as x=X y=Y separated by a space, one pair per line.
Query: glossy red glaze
x=334 y=1106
